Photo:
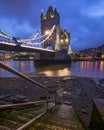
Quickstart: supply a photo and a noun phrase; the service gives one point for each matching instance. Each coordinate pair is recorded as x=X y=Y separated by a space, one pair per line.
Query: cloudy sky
x=84 y=19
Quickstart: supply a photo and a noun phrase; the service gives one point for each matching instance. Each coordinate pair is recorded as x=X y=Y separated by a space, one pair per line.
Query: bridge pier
x=59 y=57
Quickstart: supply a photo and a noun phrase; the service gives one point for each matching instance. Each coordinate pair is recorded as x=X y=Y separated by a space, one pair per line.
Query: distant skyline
x=84 y=19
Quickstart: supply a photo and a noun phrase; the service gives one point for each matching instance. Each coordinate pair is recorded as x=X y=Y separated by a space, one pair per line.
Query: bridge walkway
x=62 y=118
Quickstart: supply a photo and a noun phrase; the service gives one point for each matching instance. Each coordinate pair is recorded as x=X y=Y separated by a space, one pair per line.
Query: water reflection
x=81 y=68
x=24 y=66
x=88 y=69
x=102 y=66
x=55 y=70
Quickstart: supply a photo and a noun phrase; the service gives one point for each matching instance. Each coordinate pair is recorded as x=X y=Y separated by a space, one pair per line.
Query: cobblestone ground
x=63 y=118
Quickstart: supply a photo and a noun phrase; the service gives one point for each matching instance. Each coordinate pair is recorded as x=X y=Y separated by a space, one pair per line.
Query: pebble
x=84 y=111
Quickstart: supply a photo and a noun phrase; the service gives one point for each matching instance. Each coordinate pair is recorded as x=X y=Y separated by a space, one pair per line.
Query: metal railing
x=10 y=69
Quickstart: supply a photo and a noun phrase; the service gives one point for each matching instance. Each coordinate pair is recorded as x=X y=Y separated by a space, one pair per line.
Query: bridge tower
x=60 y=38
x=51 y=18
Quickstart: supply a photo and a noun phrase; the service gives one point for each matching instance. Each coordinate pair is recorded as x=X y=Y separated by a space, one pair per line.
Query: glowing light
x=62 y=40
x=44 y=17
x=47 y=32
x=102 y=66
x=102 y=56
x=66 y=40
x=52 y=15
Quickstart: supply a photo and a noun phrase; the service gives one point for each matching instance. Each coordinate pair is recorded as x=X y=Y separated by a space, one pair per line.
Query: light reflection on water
x=88 y=69
x=81 y=68
x=55 y=70
x=24 y=66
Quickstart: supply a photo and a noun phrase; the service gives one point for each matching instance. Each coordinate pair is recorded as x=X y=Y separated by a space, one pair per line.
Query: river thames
x=93 y=69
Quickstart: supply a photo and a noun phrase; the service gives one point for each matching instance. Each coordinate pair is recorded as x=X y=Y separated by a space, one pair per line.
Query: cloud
x=82 y=18
x=96 y=10
x=18 y=30
x=20 y=16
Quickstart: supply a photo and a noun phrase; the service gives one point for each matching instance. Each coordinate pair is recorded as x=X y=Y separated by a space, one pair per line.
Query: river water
x=94 y=69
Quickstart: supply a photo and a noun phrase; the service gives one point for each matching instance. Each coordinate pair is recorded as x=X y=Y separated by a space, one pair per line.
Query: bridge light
x=44 y=17
x=61 y=40
x=52 y=15
x=66 y=40
x=47 y=32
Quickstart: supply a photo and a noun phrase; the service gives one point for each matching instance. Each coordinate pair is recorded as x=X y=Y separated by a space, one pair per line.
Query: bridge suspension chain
x=30 y=39
x=35 y=38
x=41 y=39
x=48 y=35
x=5 y=35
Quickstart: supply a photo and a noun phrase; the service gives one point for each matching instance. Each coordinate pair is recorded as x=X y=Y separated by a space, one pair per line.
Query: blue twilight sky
x=84 y=19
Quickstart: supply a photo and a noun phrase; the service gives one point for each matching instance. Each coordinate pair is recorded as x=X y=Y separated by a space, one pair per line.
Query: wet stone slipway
x=63 y=118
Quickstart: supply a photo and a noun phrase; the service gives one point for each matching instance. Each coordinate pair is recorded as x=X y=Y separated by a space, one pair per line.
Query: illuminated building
x=52 y=18
x=59 y=39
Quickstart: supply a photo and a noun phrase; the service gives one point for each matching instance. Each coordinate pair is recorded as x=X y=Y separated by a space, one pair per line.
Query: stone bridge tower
x=51 y=18
x=59 y=40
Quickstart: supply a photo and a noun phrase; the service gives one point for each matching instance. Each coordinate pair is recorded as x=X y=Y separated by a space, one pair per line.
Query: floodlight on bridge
x=47 y=32
x=5 y=35
x=66 y=40
x=61 y=40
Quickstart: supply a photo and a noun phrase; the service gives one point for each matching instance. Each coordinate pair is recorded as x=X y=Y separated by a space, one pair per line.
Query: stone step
x=64 y=118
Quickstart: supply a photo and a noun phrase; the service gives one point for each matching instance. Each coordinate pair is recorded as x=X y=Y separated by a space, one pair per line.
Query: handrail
x=10 y=69
x=2 y=107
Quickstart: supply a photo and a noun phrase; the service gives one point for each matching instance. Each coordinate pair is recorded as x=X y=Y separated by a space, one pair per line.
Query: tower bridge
x=50 y=42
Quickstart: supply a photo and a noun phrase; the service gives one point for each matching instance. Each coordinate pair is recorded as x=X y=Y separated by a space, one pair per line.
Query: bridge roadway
x=12 y=46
